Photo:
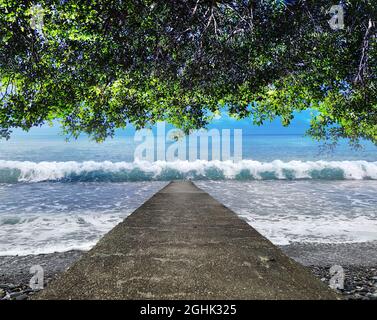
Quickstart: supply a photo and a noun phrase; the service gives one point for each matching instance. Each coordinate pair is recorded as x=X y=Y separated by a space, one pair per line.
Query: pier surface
x=183 y=244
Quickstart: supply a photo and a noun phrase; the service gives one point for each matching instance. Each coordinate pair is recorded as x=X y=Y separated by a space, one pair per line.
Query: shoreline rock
x=360 y=280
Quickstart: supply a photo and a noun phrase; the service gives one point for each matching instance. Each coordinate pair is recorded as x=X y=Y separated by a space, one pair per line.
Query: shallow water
x=48 y=217
x=57 y=196
x=303 y=211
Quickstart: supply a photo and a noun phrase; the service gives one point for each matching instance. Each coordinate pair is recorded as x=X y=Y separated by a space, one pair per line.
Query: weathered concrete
x=183 y=244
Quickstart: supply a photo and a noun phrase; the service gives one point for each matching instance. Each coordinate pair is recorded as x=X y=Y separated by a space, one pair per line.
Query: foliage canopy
x=96 y=65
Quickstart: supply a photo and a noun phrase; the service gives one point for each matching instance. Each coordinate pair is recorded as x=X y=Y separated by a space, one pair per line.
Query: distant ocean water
x=57 y=196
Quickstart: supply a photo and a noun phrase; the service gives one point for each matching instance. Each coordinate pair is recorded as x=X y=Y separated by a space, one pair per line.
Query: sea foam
x=88 y=171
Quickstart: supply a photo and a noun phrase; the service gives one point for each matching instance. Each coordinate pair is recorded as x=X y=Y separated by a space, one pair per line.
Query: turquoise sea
x=57 y=195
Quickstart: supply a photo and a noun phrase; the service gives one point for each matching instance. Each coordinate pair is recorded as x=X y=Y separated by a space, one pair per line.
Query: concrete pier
x=183 y=244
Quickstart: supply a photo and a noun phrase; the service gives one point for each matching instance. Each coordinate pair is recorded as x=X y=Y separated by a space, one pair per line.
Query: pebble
x=360 y=281
x=6 y=286
x=13 y=292
x=22 y=297
x=373 y=296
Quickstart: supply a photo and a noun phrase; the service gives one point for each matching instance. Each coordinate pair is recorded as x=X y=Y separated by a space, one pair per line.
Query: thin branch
x=6 y=92
x=196 y=7
x=364 y=54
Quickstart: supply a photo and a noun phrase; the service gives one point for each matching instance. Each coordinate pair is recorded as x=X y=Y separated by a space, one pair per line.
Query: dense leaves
x=98 y=65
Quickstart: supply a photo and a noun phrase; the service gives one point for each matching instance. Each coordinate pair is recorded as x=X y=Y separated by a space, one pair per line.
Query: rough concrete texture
x=183 y=244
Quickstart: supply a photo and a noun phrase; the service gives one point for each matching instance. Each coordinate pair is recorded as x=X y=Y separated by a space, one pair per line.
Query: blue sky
x=298 y=126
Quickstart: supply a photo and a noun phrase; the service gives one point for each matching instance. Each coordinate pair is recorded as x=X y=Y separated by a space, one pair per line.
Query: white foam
x=54 y=171
x=303 y=211
x=284 y=230
x=41 y=233
x=54 y=217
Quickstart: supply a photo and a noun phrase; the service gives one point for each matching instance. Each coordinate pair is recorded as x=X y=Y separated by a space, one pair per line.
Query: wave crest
x=90 y=171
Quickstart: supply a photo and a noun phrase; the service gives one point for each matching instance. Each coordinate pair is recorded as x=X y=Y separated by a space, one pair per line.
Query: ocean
x=57 y=196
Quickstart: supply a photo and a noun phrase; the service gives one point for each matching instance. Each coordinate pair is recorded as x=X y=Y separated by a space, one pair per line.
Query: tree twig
x=364 y=54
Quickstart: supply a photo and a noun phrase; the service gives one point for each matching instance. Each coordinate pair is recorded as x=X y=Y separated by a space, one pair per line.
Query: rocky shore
x=15 y=272
x=359 y=263
x=360 y=283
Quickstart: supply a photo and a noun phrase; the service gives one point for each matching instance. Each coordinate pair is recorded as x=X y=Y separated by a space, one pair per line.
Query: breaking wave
x=91 y=171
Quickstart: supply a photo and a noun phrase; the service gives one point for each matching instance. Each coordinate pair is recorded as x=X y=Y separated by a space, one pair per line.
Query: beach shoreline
x=358 y=260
